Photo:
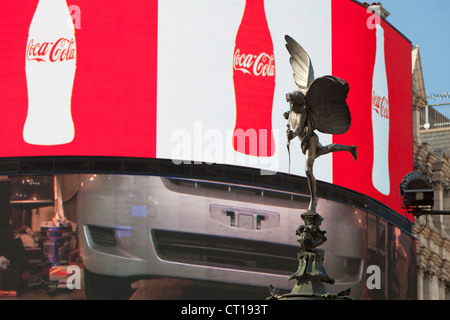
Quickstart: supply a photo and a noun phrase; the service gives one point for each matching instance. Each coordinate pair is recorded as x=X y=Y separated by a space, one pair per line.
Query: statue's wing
x=300 y=63
x=325 y=100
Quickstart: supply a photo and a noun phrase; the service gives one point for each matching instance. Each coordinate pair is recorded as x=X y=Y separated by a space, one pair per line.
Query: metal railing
x=435 y=116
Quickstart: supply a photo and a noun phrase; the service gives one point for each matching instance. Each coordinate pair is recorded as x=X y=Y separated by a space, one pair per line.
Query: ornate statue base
x=311 y=274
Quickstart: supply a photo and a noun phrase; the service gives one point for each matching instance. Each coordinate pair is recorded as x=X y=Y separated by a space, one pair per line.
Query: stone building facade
x=431 y=158
x=436 y=138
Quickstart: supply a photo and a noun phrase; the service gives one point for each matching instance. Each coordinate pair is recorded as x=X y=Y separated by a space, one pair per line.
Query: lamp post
x=417 y=195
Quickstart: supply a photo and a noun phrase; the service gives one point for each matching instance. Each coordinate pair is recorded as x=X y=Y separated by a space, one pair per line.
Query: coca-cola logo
x=61 y=50
x=380 y=105
x=261 y=64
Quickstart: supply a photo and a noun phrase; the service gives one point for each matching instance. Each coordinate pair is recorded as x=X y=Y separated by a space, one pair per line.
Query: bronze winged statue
x=318 y=104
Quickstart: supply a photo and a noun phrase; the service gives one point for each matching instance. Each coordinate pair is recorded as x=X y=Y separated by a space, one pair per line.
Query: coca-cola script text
x=257 y=64
x=60 y=50
x=380 y=105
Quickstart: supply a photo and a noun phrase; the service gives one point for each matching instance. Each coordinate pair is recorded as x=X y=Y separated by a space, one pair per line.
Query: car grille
x=353 y=266
x=102 y=236
x=226 y=252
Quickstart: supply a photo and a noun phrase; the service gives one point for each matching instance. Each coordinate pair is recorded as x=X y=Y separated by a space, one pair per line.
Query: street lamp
x=417 y=195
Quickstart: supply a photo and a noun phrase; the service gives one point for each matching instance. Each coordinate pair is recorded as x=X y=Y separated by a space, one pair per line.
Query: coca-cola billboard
x=202 y=81
x=376 y=61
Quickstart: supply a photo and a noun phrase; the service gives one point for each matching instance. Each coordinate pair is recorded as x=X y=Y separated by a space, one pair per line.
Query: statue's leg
x=310 y=156
x=321 y=150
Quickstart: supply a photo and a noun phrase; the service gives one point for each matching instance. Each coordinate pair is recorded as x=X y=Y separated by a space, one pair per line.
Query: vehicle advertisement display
x=204 y=81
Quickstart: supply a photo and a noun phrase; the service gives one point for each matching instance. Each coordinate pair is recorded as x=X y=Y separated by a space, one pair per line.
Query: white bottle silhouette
x=50 y=66
x=380 y=118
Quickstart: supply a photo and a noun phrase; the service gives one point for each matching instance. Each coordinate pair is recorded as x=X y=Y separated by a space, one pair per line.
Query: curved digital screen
x=203 y=81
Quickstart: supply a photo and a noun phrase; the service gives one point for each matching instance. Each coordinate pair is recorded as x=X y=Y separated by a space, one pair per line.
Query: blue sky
x=426 y=23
